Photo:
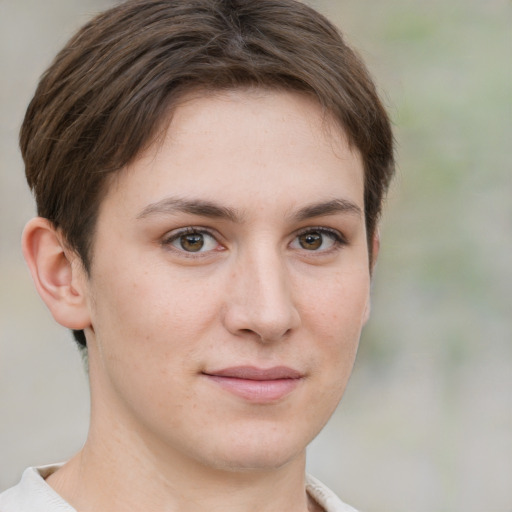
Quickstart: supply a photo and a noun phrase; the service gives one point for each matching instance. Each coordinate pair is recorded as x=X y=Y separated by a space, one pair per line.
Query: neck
x=115 y=477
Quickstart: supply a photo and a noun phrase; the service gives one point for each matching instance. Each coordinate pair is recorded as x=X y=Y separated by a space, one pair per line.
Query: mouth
x=257 y=385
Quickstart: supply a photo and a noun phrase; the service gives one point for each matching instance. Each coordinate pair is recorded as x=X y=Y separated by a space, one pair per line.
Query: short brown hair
x=107 y=92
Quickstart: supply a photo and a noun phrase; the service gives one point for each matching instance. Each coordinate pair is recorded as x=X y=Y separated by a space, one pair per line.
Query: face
x=230 y=282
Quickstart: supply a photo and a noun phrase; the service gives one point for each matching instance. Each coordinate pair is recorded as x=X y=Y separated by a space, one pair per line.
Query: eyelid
x=187 y=230
x=174 y=234
x=334 y=233
x=166 y=241
x=337 y=241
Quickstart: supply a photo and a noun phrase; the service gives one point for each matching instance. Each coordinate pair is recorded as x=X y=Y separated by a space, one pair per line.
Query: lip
x=257 y=385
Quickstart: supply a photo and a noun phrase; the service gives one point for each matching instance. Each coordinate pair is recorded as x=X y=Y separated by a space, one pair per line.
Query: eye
x=318 y=239
x=192 y=240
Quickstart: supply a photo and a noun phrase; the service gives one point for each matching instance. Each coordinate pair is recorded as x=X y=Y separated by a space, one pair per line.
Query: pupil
x=310 y=240
x=192 y=243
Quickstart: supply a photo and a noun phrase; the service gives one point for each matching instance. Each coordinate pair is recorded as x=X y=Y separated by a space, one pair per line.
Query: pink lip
x=258 y=385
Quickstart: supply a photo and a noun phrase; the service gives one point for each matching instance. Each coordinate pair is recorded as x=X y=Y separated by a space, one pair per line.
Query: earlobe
x=57 y=274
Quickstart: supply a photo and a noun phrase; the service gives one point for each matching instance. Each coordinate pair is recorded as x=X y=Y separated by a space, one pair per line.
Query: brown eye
x=192 y=242
x=319 y=240
x=311 y=241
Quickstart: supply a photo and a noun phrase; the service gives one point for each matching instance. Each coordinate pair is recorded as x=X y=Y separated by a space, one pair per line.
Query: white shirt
x=33 y=494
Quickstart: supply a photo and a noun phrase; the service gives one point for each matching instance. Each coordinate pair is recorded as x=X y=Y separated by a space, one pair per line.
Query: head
x=110 y=92
x=209 y=176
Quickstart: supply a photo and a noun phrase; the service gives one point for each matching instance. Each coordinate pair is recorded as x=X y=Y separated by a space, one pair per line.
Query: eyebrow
x=203 y=208
x=327 y=208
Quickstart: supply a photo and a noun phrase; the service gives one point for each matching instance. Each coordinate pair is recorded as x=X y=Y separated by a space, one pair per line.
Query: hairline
x=331 y=125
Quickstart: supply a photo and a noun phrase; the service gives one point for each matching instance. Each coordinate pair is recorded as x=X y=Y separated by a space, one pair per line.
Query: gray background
x=426 y=424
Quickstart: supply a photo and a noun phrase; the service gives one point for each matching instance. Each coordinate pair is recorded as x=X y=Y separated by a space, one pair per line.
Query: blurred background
x=426 y=423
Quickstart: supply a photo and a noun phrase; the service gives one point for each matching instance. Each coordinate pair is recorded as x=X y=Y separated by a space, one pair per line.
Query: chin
x=257 y=462
x=258 y=451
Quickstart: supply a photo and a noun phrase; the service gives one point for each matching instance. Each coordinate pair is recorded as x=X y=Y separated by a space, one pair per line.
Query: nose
x=260 y=302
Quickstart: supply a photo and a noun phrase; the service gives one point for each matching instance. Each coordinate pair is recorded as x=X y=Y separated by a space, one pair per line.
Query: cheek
x=333 y=319
x=143 y=329
x=146 y=324
x=336 y=309
x=135 y=300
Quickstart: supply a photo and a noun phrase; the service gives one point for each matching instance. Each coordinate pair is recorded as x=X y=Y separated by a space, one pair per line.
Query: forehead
x=266 y=140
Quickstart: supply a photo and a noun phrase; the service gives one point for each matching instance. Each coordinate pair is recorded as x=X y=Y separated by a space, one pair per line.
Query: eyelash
x=190 y=230
x=337 y=238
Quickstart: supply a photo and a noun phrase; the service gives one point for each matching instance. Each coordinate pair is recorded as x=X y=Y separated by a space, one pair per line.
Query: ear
x=57 y=273
x=375 y=249
x=373 y=262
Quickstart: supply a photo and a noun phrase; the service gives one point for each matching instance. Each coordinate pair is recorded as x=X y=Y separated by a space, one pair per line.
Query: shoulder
x=33 y=494
x=325 y=497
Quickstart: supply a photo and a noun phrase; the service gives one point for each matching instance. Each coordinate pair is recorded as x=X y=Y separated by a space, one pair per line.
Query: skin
x=272 y=195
